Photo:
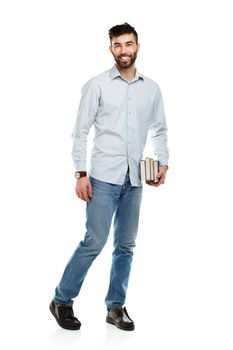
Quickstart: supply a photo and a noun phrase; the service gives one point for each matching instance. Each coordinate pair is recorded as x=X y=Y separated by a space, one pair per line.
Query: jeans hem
x=113 y=306
x=63 y=303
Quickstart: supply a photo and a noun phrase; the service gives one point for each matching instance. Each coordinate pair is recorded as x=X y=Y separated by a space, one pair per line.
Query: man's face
x=124 y=50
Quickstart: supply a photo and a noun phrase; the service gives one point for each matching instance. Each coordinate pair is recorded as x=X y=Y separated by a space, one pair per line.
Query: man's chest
x=130 y=99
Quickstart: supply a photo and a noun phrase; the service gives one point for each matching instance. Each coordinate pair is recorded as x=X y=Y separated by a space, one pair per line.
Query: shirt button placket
x=129 y=120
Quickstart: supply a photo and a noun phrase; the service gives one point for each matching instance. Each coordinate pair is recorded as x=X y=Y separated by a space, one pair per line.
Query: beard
x=125 y=61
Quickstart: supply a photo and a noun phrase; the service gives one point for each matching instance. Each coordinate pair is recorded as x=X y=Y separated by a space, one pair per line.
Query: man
x=123 y=105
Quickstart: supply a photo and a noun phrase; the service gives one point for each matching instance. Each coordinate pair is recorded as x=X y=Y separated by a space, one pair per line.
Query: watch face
x=79 y=174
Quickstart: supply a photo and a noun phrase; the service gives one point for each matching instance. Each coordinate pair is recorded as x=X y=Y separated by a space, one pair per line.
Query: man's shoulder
x=150 y=82
x=98 y=79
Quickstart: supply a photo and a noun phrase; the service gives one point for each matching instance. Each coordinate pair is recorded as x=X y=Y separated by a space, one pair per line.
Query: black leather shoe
x=120 y=318
x=64 y=316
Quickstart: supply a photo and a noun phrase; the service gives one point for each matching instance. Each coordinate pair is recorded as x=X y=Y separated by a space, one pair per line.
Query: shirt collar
x=114 y=73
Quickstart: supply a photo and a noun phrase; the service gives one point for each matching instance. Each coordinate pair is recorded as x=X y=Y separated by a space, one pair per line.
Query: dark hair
x=121 y=29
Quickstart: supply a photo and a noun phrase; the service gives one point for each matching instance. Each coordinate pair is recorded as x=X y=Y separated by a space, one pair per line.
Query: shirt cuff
x=80 y=165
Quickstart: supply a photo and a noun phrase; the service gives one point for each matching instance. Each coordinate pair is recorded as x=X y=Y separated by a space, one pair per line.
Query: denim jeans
x=122 y=202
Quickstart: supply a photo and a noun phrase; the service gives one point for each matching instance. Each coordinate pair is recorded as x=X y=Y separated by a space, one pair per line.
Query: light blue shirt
x=122 y=113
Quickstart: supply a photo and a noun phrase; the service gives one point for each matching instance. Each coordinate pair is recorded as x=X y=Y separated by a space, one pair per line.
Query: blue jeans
x=124 y=203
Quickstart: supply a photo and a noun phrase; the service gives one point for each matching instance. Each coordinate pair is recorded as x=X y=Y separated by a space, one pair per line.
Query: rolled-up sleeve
x=87 y=111
x=158 y=130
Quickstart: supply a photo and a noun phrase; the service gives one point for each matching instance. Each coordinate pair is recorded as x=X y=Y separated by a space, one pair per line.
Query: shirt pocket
x=144 y=109
x=144 y=114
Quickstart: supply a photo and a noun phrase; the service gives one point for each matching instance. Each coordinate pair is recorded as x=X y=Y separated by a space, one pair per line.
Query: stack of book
x=149 y=170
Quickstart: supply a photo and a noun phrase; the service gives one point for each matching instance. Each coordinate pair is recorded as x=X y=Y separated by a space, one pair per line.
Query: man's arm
x=158 y=131
x=87 y=111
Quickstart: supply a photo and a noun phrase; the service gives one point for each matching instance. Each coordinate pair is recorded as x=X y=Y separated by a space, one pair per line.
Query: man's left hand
x=161 y=176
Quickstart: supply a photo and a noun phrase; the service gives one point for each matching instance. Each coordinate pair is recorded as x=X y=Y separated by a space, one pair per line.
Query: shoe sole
x=111 y=321
x=76 y=328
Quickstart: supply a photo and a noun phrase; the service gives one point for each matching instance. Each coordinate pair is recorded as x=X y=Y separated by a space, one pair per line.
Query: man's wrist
x=80 y=174
x=164 y=166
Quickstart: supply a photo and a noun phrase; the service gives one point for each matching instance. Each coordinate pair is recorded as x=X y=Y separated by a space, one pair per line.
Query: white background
x=180 y=292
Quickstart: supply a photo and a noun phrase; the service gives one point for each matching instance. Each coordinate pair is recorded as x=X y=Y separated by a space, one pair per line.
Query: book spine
x=148 y=174
x=156 y=170
x=151 y=169
x=143 y=170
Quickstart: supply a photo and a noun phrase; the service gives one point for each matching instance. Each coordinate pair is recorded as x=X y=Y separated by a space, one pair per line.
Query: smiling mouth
x=124 y=58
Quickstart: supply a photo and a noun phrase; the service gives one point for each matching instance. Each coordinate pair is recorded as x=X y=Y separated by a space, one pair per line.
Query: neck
x=127 y=73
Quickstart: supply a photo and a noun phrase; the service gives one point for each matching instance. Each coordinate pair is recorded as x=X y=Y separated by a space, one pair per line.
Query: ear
x=139 y=46
x=110 y=49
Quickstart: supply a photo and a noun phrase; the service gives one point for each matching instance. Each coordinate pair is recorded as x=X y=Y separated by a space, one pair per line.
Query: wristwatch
x=79 y=174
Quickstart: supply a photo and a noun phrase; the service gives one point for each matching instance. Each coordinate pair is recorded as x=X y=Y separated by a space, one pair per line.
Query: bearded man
x=123 y=105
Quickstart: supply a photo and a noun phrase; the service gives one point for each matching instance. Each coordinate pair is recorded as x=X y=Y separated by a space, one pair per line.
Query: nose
x=123 y=50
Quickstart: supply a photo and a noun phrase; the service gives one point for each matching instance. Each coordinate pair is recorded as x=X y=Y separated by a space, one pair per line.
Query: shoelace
x=121 y=311
x=126 y=313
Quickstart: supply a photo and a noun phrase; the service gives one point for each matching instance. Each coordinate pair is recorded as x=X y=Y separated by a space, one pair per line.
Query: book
x=149 y=170
x=143 y=170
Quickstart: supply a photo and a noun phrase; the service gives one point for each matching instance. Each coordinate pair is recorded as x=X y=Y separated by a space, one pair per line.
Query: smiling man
x=124 y=49
x=123 y=105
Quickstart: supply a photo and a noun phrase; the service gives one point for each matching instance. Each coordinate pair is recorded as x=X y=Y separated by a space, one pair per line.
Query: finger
x=85 y=196
x=160 y=173
x=78 y=192
x=89 y=190
x=150 y=183
x=161 y=181
x=80 y=196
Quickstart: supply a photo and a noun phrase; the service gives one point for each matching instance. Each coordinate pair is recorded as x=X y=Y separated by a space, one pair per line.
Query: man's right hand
x=83 y=189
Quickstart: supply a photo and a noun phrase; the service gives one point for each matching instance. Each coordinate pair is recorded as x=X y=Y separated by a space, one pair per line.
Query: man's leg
x=99 y=211
x=125 y=232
